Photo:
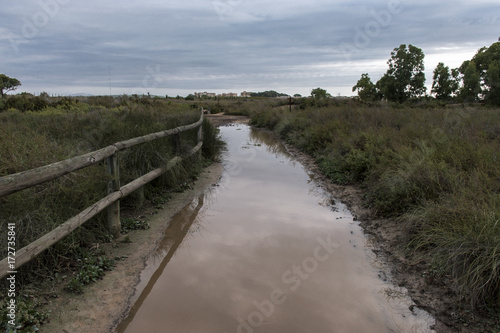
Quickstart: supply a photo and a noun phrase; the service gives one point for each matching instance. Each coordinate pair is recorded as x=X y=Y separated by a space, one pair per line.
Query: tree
x=367 y=91
x=481 y=75
x=267 y=93
x=8 y=84
x=471 y=81
x=405 y=77
x=487 y=61
x=445 y=83
x=319 y=93
x=492 y=80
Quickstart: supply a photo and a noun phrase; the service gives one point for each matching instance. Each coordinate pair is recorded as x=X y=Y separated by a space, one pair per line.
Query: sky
x=70 y=47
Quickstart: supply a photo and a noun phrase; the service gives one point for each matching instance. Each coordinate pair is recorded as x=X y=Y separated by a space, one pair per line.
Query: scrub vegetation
x=36 y=131
x=436 y=170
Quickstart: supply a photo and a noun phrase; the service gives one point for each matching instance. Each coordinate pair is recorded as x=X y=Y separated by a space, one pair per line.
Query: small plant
x=183 y=187
x=91 y=268
x=126 y=240
x=129 y=224
x=29 y=315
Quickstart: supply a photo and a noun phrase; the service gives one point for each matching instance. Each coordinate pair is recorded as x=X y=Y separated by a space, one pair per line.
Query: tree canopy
x=476 y=79
x=405 y=77
x=8 y=84
x=481 y=74
x=403 y=80
x=319 y=93
x=445 y=83
x=267 y=93
x=471 y=86
x=367 y=91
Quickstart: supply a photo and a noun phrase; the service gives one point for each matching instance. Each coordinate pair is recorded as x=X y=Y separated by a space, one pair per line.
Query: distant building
x=204 y=94
x=246 y=94
x=228 y=95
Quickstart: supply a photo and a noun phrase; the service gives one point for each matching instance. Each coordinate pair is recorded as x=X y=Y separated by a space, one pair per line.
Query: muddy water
x=266 y=250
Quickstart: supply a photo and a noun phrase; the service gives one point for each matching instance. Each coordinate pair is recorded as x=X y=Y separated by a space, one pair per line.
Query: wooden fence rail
x=22 y=180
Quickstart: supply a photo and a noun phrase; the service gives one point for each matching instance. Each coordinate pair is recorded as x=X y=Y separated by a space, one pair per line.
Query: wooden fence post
x=176 y=142
x=200 y=133
x=200 y=138
x=114 y=224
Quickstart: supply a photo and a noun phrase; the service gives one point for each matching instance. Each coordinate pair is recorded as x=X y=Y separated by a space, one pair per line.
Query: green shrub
x=90 y=269
x=33 y=139
x=29 y=315
x=435 y=169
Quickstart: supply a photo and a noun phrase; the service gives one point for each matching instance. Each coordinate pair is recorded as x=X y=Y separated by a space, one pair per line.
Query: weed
x=90 y=269
x=129 y=224
x=29 y=315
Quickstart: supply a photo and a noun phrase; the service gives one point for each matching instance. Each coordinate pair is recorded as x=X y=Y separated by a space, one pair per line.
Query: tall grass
x=33 y=139
x=436 y=170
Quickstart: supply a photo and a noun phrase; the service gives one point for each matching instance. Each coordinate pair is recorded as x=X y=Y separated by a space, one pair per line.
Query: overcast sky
x=171 y=47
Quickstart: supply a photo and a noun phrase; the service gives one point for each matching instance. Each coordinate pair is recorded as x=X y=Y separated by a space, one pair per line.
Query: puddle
x=265 y=251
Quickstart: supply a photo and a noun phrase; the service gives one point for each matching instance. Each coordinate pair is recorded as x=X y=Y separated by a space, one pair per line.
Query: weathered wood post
x=113 y=171
x=176 y=142
x=200 y=136
x=200 y=132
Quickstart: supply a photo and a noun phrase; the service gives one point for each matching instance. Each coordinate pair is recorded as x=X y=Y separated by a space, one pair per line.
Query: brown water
x=267 y=251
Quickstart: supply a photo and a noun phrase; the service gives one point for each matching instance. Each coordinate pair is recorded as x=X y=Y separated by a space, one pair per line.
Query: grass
x=68 y=127
x=434 y=169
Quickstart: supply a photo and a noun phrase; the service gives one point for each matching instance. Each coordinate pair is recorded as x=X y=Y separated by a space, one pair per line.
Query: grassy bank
x=69 y=127
x=437 y=171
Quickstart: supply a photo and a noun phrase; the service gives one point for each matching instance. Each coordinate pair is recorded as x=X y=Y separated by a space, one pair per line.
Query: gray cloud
x=167 y=47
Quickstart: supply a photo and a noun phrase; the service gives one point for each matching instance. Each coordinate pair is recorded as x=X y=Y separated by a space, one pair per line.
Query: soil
x=105 y=303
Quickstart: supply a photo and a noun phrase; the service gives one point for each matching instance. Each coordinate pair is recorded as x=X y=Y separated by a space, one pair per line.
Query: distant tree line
x=268 y=93
x=476 y=79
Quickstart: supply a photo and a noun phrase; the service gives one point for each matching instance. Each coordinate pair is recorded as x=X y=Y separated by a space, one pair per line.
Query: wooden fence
x=26 y=179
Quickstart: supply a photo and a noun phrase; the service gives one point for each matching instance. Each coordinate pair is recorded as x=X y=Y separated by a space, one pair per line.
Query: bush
x=29 y=140
x=434 y=169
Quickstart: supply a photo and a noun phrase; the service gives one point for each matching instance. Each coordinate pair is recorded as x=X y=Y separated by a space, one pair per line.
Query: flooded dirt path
x=266 y=250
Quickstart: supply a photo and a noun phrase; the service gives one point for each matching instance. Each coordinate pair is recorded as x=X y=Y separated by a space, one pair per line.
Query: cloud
x=221 y=44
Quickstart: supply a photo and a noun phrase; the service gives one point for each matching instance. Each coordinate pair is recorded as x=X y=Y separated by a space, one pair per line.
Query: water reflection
x=270 y=142
x=175 y=233
x=271 y=256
